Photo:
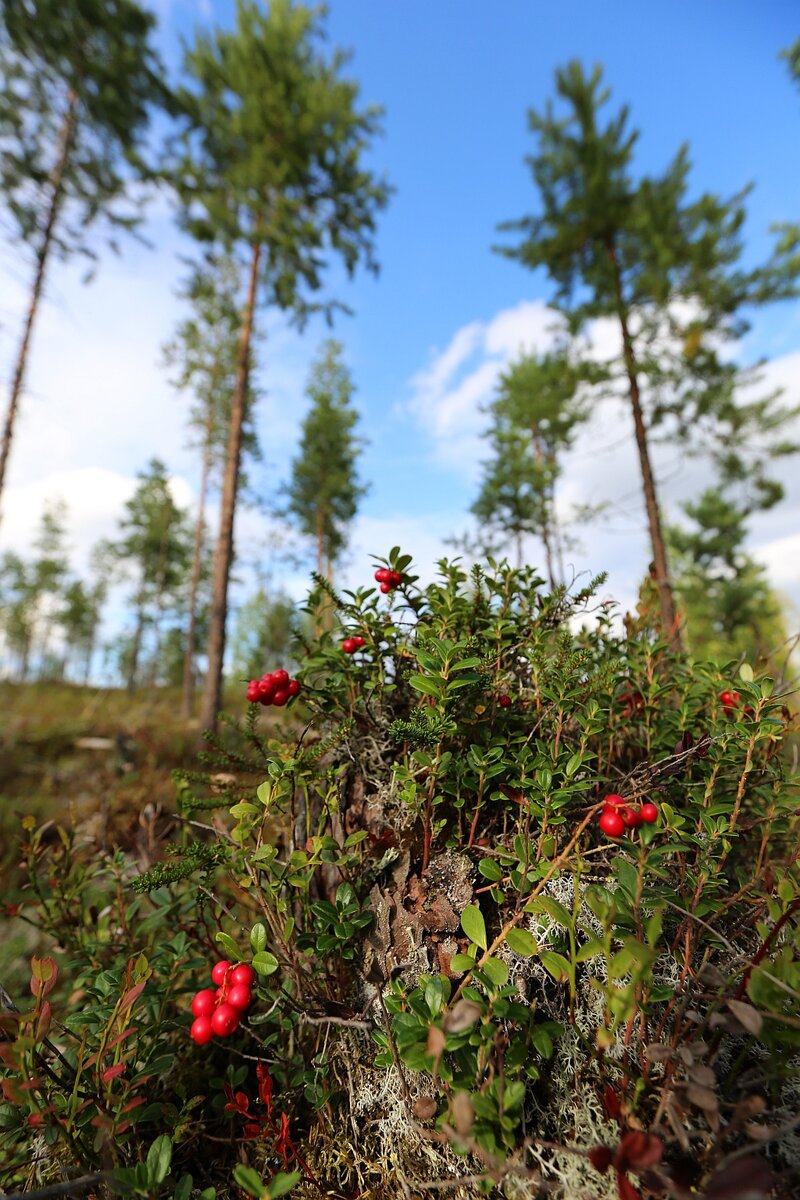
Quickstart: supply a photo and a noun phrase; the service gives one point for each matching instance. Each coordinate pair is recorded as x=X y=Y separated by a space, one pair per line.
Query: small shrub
x=462 y=978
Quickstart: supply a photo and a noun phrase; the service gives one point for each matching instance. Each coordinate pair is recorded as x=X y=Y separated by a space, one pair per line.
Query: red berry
x=202 y=1030
x=281 y=677
x=280 y=697
x=240 y=997
x=386 y=587
x=382 y=575
x=613 y=801
x=612 y=824
x=359 y=641
x=225 y=1020
x=203 y=1003
x=243 y=974
x=219 y=971
x=649 y=813
x=266 y=690
x=395 y=578
x=293 y=687
x=252 y=690
x=634 y=818
x=504 y=701
x=349 y=645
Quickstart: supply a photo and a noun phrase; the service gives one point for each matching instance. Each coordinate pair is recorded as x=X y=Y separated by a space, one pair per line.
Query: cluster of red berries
x=731 y=701
x=218 y=1013
x=274 y=688
x=617 y=816
x=351 y=644
x=388 y=580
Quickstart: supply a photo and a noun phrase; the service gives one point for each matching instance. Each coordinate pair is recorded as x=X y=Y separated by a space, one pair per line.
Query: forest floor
x=97 y=761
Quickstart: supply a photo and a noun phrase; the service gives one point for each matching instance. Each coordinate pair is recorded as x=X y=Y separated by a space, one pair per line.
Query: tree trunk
x=187 y=697
x=669 y=614
x=136 y=648
x=546 y=533
x=223 y=554
x=42 y=255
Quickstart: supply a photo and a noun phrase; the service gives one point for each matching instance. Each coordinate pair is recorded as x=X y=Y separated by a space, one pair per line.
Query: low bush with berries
x=508 y=904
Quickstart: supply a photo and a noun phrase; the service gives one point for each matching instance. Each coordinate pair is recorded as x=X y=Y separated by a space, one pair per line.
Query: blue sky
x=429 y=336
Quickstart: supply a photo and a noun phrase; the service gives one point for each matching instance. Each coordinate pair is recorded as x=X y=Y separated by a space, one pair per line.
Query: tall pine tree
x=324 y=489
x=78 y=81
x=535 y=415
x=204 y=353
x=665 y=269
x=272 y=168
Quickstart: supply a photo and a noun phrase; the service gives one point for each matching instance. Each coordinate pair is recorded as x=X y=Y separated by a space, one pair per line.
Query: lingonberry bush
x=507 y=903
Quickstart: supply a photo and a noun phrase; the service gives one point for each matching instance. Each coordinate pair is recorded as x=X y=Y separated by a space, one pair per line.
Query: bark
x=187 y=698
x=669 y=614
x=136 y=649
x=223 y=554
x=66 y=139
x=545 y=530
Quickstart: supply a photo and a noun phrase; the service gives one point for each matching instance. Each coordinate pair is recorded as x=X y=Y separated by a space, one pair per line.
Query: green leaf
x=282 y=1183
x=159 y=1157
x=746 y=672
x=250 y=1180
x=258 y=937
x=264 y=792
x=521 y=941
x=497 y=971
x=490 y=869
x=244 y=809
x=424 y=683
x=474 y=926
x=552 y=908
x=573 y=764
x=183 y=1188
x=461 y=962
x=228 y=945
x=557 y=965
x=265 y=963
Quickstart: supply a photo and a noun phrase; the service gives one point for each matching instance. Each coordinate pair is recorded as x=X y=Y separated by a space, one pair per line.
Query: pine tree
x=78 y=79
x=272 y=166
x=17 y=611
x=534 y=419
x=154 y=549
x=204 y=350
x=49 y=571
x=262 y=633
x=665 y=269
x=324 y=489
x=731 y=607
x=78 y=621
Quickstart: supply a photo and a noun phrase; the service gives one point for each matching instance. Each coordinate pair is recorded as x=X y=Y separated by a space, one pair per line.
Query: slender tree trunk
x=223 y=554
x=43 y=253
x=136 y=648
x=546 y=532
x=669 y=614
x=187 y=697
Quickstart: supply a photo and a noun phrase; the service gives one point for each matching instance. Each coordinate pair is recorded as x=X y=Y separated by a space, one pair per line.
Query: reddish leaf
x=638 y=1150
x=625 y=1189
x=44 y=973
x=600 y=1157
x=112 y=1072
x=252 y=1131
x=264 y=1086
x=132 y=995
x=611 y=1102
x=744 y=1179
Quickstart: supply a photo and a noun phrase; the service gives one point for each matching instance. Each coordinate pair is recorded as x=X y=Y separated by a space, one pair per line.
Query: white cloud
x=448 y=399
